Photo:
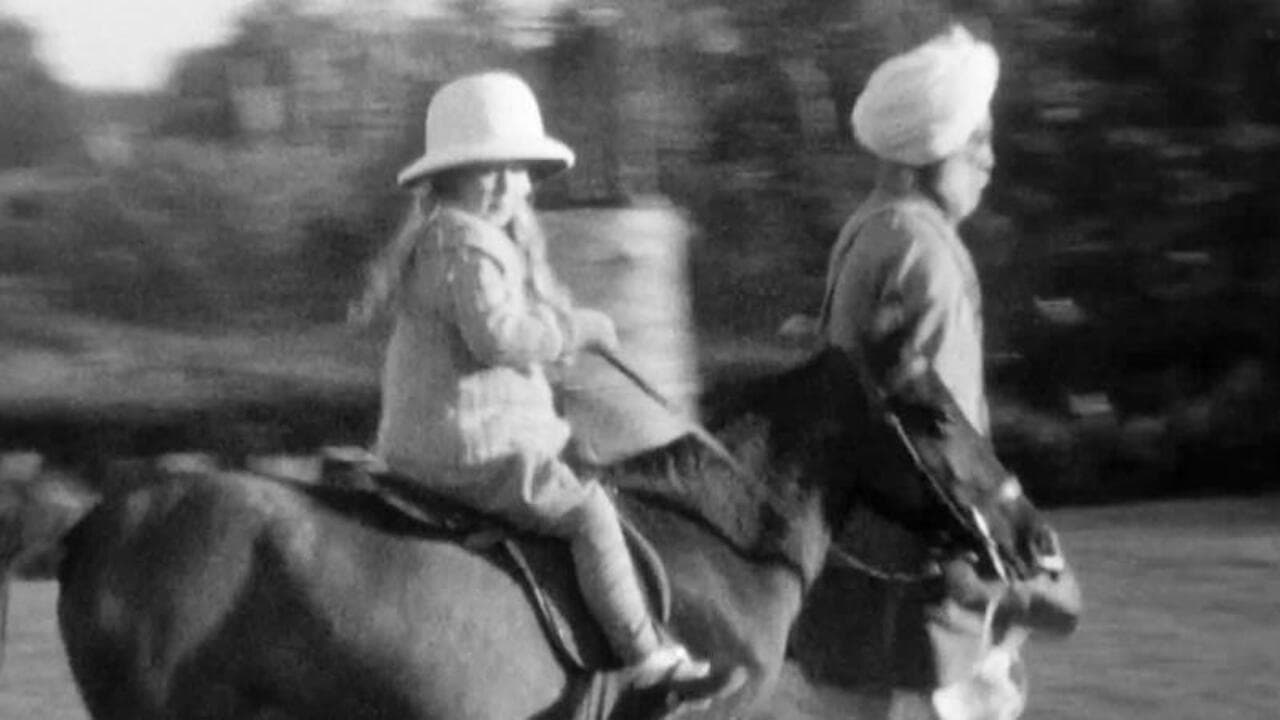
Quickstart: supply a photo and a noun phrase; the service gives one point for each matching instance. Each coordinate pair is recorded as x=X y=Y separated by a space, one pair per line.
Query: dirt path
x=36 y=682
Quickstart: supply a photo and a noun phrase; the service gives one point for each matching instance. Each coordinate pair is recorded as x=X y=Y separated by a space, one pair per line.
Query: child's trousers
x=543 y=495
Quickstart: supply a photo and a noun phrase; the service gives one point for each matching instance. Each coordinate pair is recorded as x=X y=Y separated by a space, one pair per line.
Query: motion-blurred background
x=177 y=253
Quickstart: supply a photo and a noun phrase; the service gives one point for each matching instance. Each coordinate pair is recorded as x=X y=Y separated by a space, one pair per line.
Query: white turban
x=924 y=105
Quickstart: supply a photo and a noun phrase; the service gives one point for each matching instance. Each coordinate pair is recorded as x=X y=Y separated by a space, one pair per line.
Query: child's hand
x=593 y=329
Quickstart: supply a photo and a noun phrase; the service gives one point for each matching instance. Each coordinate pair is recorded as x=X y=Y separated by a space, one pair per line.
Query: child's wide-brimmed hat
x=492 y=117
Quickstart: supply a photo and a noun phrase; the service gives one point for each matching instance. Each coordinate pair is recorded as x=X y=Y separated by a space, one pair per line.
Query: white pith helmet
x=491 y=117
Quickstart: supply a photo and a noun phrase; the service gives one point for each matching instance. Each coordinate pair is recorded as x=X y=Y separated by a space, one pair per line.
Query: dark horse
x=223 y=595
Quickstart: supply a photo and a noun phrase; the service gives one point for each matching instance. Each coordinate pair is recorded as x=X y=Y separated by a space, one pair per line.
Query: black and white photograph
x=639 y=359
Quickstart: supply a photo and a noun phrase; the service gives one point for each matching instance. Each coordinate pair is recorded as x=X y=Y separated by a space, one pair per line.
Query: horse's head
x=983 y=500
x=916 y=459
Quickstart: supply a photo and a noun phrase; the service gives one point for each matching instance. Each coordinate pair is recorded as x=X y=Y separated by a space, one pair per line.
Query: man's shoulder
x=915 y=219
x=897 y=228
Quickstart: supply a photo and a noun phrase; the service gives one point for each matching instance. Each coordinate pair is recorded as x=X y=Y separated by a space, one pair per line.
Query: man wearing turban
x=926 y=116
x=902 y=291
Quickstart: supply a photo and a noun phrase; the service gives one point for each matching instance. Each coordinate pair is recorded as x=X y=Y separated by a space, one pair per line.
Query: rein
x=849 y=560
x=965 y=516
x=695 y=428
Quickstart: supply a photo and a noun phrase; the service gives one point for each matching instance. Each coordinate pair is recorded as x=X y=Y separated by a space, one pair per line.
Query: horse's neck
x=738 y=589
x=741 y=600
x=767 y=518
x=790 y=434
x=789 y=514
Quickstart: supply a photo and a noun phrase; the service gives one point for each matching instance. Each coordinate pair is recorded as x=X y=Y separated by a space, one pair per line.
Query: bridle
x=966 y=517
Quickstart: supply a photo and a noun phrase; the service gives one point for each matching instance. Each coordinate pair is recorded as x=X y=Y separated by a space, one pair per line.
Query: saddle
x=542 y=564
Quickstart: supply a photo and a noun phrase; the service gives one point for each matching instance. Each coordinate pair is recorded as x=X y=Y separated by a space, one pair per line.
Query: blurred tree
x=582 y=101
x=200 y=104
x=490 y=23
x=37 y=123
x=480 y=13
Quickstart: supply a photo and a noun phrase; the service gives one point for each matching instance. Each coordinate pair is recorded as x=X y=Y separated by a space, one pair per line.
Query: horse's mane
x=766 y=420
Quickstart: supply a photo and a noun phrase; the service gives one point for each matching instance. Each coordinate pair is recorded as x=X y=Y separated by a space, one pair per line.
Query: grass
x=1182 y=614
x=36 y=682
x=64 y=360
x=1179 y=621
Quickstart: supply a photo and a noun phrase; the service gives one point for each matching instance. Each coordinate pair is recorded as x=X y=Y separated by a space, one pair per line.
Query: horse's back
x=228 y=596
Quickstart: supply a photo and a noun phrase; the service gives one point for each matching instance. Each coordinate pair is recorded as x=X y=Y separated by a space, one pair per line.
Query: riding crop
x=694 y=427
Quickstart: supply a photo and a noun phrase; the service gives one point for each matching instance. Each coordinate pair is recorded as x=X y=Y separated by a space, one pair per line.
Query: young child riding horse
x=466 y=404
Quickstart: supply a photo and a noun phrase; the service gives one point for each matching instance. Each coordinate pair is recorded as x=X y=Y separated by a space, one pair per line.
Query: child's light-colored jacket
x=464 y=384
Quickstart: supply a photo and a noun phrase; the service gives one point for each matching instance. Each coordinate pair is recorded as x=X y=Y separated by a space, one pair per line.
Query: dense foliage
x=36 y=119
x=1127 y=248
